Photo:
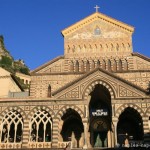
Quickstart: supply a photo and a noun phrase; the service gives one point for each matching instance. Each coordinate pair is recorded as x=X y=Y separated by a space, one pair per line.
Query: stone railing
x=63 y=144
x=10 y=145
x=39 y=144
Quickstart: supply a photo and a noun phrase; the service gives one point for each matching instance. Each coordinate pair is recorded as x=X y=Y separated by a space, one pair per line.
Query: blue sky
x=32 y=28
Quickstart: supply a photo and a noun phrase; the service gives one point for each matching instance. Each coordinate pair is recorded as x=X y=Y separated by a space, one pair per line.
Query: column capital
x=85 y=120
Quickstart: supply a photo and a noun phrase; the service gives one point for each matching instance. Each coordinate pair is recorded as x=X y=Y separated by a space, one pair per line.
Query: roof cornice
x=94 y=17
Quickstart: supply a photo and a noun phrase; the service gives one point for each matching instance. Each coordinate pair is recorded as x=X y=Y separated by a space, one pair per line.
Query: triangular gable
x=121 y=87
x=93 y=17
x=44 y=66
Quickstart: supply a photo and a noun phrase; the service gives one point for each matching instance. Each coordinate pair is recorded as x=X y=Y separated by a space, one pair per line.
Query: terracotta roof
x=104 y=71
x=46 y=64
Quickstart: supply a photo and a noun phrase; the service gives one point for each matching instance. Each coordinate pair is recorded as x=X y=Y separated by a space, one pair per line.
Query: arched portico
x=100 y=116
x=72 y=128
x=130 y=126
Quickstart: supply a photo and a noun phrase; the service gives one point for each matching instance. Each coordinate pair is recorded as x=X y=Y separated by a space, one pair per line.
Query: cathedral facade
x=94 y=96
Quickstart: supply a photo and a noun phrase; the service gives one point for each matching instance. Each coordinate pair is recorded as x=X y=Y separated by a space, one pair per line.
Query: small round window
x=97 y=31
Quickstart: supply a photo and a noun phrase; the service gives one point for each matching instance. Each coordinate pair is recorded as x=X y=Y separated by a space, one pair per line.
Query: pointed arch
x=49 y=91
x=41 y=127
x=87 y=66
x=109 y=64
x=77 y=66
x=120 y=65
x=91 y=86
x=81 y=66
x=124 y=106
x=71 y=66
x=125 y=65
x=103 y=64
x=130 y=123
x=12 y=127
x=98 y=64
x=64 y=109
x=92 y=64
x=114 y=65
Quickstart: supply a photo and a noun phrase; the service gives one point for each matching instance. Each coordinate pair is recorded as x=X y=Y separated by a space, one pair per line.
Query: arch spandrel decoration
x=63 y=110
x=124 y=106
x=35 y=109
x=12 y=127
x=91 y=86
x=8 y=109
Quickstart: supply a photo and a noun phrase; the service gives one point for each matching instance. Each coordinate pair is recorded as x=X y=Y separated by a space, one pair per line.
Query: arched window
x=77 y=66
x=49 y=91
x=114 y=65
x=98 y=64
x=87 y=66
x=103 y=64
x=82 y=66
x=125 y=65
x=92 y=64
x=97 y=31
x=12 y=126
x=109 y=65
x=41 y=127
x=120 y=65
x=71 y=66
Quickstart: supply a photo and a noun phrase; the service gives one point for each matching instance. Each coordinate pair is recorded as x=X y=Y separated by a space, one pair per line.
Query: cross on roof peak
x=96 y=7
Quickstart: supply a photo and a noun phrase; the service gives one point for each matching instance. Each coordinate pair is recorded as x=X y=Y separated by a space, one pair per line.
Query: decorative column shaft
x=85 y=135
x=55 y=133
x=25 y=134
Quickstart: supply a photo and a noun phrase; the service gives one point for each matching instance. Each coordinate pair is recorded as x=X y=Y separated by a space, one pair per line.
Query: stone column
x=25 y=134
x=55 y=133
x=114 y=123
x=112 y=139
x=85 y=135
x=115 y=132
x=109 y=138
x=146 y=124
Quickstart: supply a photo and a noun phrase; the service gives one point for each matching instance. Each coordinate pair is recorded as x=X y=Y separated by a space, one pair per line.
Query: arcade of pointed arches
x=13 y=119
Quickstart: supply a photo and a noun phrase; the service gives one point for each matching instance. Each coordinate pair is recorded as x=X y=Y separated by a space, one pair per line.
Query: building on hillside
x=95 y=95
x=9 y=85
x=25 y=78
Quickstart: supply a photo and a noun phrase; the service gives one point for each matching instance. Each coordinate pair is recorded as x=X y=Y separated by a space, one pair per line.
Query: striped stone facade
x=64 y=86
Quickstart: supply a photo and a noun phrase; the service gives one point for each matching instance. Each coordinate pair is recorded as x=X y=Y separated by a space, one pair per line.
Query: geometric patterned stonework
x=89 y=59
x=124 y=92
x=83 y=86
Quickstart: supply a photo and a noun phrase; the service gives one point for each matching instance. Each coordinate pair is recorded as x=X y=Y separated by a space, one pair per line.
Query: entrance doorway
x=100 y=116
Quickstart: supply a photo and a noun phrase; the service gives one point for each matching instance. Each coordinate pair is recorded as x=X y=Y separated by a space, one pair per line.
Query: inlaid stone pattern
x=40 y=84
x=138 y=78
x=142 y=64
x=54 y=67
x=85 y=41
